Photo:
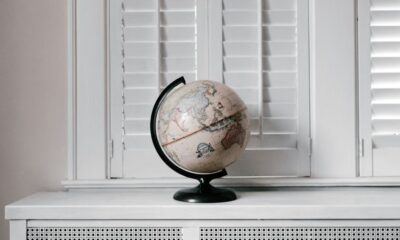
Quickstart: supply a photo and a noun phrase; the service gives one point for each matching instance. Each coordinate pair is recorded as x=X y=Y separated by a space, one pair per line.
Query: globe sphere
x=202 y=126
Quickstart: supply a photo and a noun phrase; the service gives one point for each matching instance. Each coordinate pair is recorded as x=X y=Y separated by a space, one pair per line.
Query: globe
x=202 y=126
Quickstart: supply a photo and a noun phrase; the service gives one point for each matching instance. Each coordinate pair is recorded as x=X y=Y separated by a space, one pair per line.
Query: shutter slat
x=138 y=142
x=240 y=79
x=280 y=95
x=388 y=49
x=249 y=95
x=240 y=48
x=280 y=78
x=186 y=5
x=168 y=77
x=177 y=64
x=385 y=18
x=278 y=63
x=280 y=5
x=386 y=110
x=385 y=80
x=240 y=17
x=385 y=5
x=279 y=48
x=385 y=34
x=240 y=33
x=140 y=34
x=239 y=5
x=386 y=95
x=137 y=126
x=240 y=64
x=142 y=95
x=175 y=33
x=279 y=17
x=140 y=49
x=281 y=33
x=140 y=80
x=132 y=5
x=140 y=19
x=274 y=141
x=177 y=18
x=275 y=125
x=386 y=125
x=273 y=109
x=140 y=64
x=137 y=110
x=386 y=140
x=385 y=64
x=178 y=49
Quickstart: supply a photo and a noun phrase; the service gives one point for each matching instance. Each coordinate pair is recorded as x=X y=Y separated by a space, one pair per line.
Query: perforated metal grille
x=306 y=233
x=103 y=233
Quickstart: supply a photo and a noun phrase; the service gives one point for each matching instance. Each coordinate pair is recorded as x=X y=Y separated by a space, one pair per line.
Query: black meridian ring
x=153 y=131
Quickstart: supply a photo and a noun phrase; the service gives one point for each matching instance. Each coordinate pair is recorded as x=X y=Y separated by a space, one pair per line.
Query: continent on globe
x=234 y=135
x=193 y=103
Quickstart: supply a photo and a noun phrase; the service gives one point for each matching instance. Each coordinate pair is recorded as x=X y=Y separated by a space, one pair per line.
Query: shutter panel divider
x=202 y=44
x=158 y=45
x=215 y=39
x=260 y=69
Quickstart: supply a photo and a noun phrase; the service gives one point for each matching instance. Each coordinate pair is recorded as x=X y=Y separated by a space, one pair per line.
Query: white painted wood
x=191 y=232
x=215 y=36
x=379 y=88
x=364 y=81
x=234 y=182
x=202 y=42
x=71 y=95
x=115 y=92
x=333 y=89
x=91 y=127
x=191 y=224
x=18 y=229
x=157 y=204
x=303 y=98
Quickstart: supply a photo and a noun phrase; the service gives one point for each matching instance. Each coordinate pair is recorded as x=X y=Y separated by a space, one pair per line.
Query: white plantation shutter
x=380 y=87
x=158 y=45
x=265 y=60
x=258 y=47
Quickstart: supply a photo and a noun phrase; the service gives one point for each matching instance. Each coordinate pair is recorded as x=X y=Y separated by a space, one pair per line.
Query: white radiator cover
x=345 y=213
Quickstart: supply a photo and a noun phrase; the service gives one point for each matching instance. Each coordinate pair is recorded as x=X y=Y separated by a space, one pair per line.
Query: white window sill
x=156 y=204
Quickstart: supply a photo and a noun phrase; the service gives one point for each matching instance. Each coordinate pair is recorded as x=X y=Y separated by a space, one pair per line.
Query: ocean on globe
x=203 y=126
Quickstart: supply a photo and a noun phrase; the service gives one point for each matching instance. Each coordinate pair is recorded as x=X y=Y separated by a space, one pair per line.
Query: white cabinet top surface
x=268 y=203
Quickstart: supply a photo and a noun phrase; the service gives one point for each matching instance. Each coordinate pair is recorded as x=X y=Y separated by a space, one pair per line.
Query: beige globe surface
x=203 y=126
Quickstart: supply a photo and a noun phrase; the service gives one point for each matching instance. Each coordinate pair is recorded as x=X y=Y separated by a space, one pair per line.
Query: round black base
x=205 y=193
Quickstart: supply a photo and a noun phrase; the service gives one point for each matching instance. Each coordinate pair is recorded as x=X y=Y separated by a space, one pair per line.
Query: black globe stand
x=202 y=193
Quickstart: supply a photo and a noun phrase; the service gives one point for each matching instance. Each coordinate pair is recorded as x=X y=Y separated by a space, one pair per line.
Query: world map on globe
x=203 y=126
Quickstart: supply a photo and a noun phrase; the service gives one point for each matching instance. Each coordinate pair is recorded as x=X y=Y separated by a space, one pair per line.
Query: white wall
x=32 y=99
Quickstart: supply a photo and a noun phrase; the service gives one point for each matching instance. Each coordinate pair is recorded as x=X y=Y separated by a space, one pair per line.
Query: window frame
x=334 y=158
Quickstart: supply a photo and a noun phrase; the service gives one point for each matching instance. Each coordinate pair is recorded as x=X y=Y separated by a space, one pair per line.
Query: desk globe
x=198 y=129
